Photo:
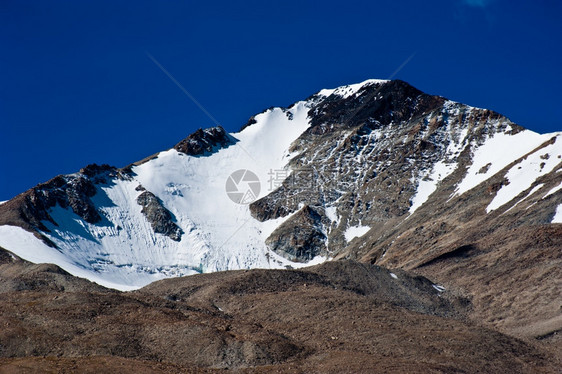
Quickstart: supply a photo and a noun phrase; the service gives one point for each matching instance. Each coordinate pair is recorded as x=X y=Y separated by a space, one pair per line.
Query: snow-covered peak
x=351 y=89
x=346 y=164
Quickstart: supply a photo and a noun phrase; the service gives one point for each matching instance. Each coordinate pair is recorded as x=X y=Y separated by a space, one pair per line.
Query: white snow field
x=502 y=149
x=522 y=175
x=557 y=215
x=353 y=232
x=123 y=251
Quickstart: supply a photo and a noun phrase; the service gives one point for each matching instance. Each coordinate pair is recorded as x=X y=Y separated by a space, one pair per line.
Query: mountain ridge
x=377 y=173
x=396 y=130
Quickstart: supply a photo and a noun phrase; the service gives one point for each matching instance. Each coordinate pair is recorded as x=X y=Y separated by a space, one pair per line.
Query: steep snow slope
x=498 y=151
x=123 y=251
x=522 y=175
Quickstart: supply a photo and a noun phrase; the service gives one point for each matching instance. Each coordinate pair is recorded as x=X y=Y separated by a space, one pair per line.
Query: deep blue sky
x=77 y=86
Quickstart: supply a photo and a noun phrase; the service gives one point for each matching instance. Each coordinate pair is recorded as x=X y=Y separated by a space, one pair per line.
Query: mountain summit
x=377 y=171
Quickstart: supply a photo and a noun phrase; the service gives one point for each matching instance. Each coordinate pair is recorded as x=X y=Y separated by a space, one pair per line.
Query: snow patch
x=522 y=175
x=393 y=275
x=441 y=170
x=353 y=232
x=428 y=184
x=332 y=214
x=36 y=251
x=554 y=190
x=535 y=189
x=350 y=90
x=496 y=153
x=557 y=215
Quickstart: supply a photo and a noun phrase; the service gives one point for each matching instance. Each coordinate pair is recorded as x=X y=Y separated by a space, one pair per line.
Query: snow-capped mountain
x=377 y=171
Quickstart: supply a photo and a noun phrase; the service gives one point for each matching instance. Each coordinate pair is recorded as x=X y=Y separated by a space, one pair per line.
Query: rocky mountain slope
x=340 y=316
x=377 y=172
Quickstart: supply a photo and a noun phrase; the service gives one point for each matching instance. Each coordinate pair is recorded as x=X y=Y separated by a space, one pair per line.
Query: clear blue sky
x=77 y=86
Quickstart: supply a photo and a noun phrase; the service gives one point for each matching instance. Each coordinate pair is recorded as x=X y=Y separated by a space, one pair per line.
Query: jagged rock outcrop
x=159 y=217
x=375 y=105
x=204 y=141
x=73 y=191
x=300 y=238
x=31 y=209
x=364 y=154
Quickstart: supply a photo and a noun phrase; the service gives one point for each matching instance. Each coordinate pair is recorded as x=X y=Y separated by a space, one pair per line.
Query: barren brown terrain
x=337 y=317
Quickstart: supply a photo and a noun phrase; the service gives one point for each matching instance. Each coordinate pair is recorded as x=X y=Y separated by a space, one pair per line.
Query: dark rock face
x=301 y=238
x=205 y=141
x=264 y=210
x=7 y=258
x=79 y=199
x=363 y=153
x=31 y=209
x=74 y=191
x=250 y=122
x=97 y=171
x=159 y=217
x=375 y=104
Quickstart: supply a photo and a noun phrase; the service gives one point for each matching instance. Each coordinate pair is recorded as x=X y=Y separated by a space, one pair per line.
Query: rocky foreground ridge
x=341 y=316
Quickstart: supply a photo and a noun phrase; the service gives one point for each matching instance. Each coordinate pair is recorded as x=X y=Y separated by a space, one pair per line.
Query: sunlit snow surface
x=557 y=215
x=497 y=152
x=353 y=232
x=123 y=251
x=332 y=214
x=522 y=175
x=350 y=90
